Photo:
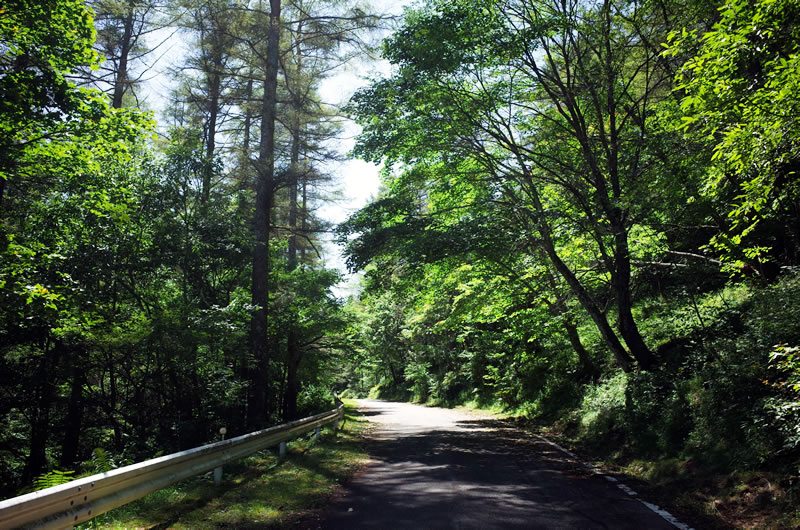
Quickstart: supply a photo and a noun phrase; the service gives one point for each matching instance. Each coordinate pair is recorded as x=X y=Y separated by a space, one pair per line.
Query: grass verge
x=257 y=492
x=697 y=494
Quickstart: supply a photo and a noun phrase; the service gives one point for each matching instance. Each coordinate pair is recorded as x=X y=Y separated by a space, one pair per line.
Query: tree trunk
x=74 y=420
x=621 y=282
x=111 y=406
x=293 y=353
x=2 y=188
x=40 y=415
x=211 y=134
x=294 y=170
x=248 y=118
x=597 y=315
x=293 y=358
x=258 y=407
x=121 y=79
x=304 y=214
x=587 y=370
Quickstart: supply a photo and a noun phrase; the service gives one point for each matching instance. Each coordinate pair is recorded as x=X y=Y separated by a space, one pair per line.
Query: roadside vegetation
x=160 y=273
x=712 y=433
x=259 y=491
x=591 y=219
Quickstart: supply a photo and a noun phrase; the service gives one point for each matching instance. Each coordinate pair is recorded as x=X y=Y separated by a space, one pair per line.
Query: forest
x=589 y=218
x=161 y=276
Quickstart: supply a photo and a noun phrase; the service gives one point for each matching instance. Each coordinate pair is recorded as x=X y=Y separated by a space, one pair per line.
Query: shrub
x=602 y=410
x=314 y=399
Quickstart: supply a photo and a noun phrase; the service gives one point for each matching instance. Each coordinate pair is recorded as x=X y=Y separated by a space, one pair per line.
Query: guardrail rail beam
x=82 y=499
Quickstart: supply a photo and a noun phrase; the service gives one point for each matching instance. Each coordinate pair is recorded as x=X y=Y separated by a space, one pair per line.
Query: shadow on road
x=476 y=473
x=369 y=413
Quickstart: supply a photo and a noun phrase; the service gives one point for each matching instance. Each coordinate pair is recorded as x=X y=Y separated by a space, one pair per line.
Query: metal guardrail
x=80 y=500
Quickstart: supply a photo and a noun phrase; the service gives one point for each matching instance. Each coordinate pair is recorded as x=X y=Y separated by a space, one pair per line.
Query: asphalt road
x=441 y=468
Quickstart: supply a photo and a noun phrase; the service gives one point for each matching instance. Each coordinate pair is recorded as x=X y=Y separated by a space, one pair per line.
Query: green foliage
x=42 y=42
x=547 y=202
x=536 y=187
x=740 y=98
x=125 y=266
x=786 y=359
x=51 y=478
x=602 y=410
x=714 y=398
x=314 y=399
x=657 y=412
x=785 y=408
x=417 y=374
x=101 y=461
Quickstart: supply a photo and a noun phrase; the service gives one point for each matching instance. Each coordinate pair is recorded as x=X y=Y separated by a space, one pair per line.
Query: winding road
x=443 y=468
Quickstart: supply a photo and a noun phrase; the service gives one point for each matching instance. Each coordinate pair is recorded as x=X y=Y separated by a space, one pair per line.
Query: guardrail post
x=316 y=434
x=339 y=413
x=282 y=449
x=218 y=470
x=82 y=499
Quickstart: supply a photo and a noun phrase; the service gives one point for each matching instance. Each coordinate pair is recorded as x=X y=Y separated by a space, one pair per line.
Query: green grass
x=259 y=491
x=495 y=408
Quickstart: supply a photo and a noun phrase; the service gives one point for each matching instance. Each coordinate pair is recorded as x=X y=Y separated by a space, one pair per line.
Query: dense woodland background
x=590 y=216
x=160 y=281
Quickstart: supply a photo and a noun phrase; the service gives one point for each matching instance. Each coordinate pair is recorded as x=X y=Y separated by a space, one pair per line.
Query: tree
x=44 y=42
x=739 y=100
x=266 y=186
x=125 y=256
x=122 y=30
x=67 y=200
x=553 y=101
x=313 y=31
x=209 y=73
x=62 y=263
x=456 y=228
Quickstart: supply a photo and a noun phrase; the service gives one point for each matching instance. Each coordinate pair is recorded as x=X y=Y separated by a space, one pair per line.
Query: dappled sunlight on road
x=443 y=468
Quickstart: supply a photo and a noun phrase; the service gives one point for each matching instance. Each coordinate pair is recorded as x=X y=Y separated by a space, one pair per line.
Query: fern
x=101 y=461
x=50 y=479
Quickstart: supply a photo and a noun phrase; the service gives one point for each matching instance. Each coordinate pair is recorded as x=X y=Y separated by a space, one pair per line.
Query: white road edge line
x=671 y=519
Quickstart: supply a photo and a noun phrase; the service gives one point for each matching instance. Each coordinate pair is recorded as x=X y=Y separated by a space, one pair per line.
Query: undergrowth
x=714 y=429
x=259 y=491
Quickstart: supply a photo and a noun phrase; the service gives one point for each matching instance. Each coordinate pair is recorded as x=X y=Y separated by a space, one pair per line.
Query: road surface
x=443 y=468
